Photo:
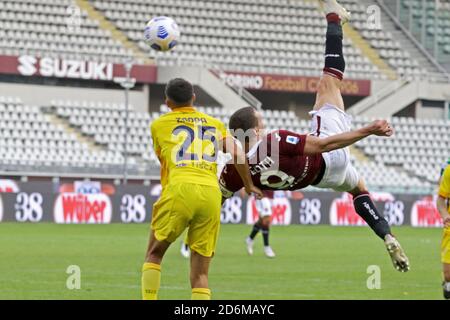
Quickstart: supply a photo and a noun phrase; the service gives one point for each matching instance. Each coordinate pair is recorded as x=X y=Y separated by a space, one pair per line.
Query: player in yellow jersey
x=187 y=142
x=443 y=203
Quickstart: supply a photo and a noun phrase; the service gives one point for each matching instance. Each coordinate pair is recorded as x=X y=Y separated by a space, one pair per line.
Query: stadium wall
x=42 y=95
x=427 y=109
x=92 y=202
x=394 y=97
x=208 y=81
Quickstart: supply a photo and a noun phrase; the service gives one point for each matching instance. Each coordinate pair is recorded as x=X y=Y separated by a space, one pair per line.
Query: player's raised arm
x=316 y=145
x=240 y=163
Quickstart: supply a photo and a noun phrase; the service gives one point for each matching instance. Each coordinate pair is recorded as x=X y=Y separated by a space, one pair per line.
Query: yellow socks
x=201 y=294
x=151 y=280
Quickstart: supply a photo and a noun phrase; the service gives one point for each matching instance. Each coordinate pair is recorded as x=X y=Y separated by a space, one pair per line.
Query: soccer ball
x=162 y=33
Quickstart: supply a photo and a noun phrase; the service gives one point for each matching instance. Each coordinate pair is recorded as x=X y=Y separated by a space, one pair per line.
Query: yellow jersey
x=186 y=142
x=444 y=188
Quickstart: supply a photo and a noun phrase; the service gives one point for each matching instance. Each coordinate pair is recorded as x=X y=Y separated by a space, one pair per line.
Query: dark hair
x=243 y=119
x=179 y=91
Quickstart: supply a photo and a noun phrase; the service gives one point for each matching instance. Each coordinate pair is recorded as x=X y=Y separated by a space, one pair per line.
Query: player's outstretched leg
x=332 y=6
x=329 y=88
x=365 y=207
x=328 y=98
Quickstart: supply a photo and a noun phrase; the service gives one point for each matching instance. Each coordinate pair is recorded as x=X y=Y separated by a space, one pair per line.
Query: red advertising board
x=103 y=71
x=285 y=83
x=73 y=69
x=342 y=210
x=281 y=212
x=98 y=202
x=83 y=208
x=7 y=185
x=425 y=214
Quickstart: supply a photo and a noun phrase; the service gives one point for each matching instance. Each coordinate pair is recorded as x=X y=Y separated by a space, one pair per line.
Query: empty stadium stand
x=279 y=37
x=30 y=141
x=383 y=42
x=263 y=36
x=89 y=137
x=55 y=29
x=250 y=36
x=273 y=37
x=428 y=22
x=419 y=147
x=105 y=124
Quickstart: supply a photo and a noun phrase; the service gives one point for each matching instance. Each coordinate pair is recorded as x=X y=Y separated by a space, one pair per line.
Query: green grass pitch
x=312 y=263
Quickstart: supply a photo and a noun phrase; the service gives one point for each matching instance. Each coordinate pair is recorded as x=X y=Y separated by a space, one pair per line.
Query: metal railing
x=247 y=96
x=217 y=71
x=240 y=90
x=419 y=46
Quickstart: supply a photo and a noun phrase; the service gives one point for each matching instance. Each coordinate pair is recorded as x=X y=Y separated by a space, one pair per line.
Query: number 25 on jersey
x=194 y=144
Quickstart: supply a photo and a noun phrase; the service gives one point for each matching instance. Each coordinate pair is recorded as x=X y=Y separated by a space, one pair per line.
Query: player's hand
x=381 y=128
x=447 y=221
x=254 y=190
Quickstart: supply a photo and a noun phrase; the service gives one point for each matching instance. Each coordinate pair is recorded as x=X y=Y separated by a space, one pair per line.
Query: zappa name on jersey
x=192 y=120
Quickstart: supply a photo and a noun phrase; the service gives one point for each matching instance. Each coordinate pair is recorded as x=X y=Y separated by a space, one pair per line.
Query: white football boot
x=269 y=252
x=398 y=256
x=446 y=287
x=185 y=251
x=249 y=243
x=332 y=6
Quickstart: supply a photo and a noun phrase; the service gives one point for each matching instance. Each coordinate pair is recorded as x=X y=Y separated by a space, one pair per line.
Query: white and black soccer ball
x=162 y=33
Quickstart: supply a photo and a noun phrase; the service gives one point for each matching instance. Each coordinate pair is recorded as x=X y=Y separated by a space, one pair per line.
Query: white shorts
x=264 y=207
x=340 y=175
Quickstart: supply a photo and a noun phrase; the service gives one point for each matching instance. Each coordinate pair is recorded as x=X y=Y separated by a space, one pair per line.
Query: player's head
x=179 y=93
x=246 y=124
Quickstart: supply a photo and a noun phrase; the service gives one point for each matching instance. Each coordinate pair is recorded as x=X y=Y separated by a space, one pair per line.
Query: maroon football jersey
x=277 y=162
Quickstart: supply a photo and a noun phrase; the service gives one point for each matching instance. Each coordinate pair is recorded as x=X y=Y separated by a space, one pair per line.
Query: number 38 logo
x=231 y=211
x=394 y=213
x=310 y=211
x=132 y=208
x=29 y=207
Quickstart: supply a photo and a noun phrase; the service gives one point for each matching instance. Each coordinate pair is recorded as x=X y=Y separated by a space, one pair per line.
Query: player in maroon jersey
x=284 y=160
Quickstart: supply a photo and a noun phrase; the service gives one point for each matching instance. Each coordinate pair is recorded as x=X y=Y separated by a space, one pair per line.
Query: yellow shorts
x=185 y=205
x=445 y=246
